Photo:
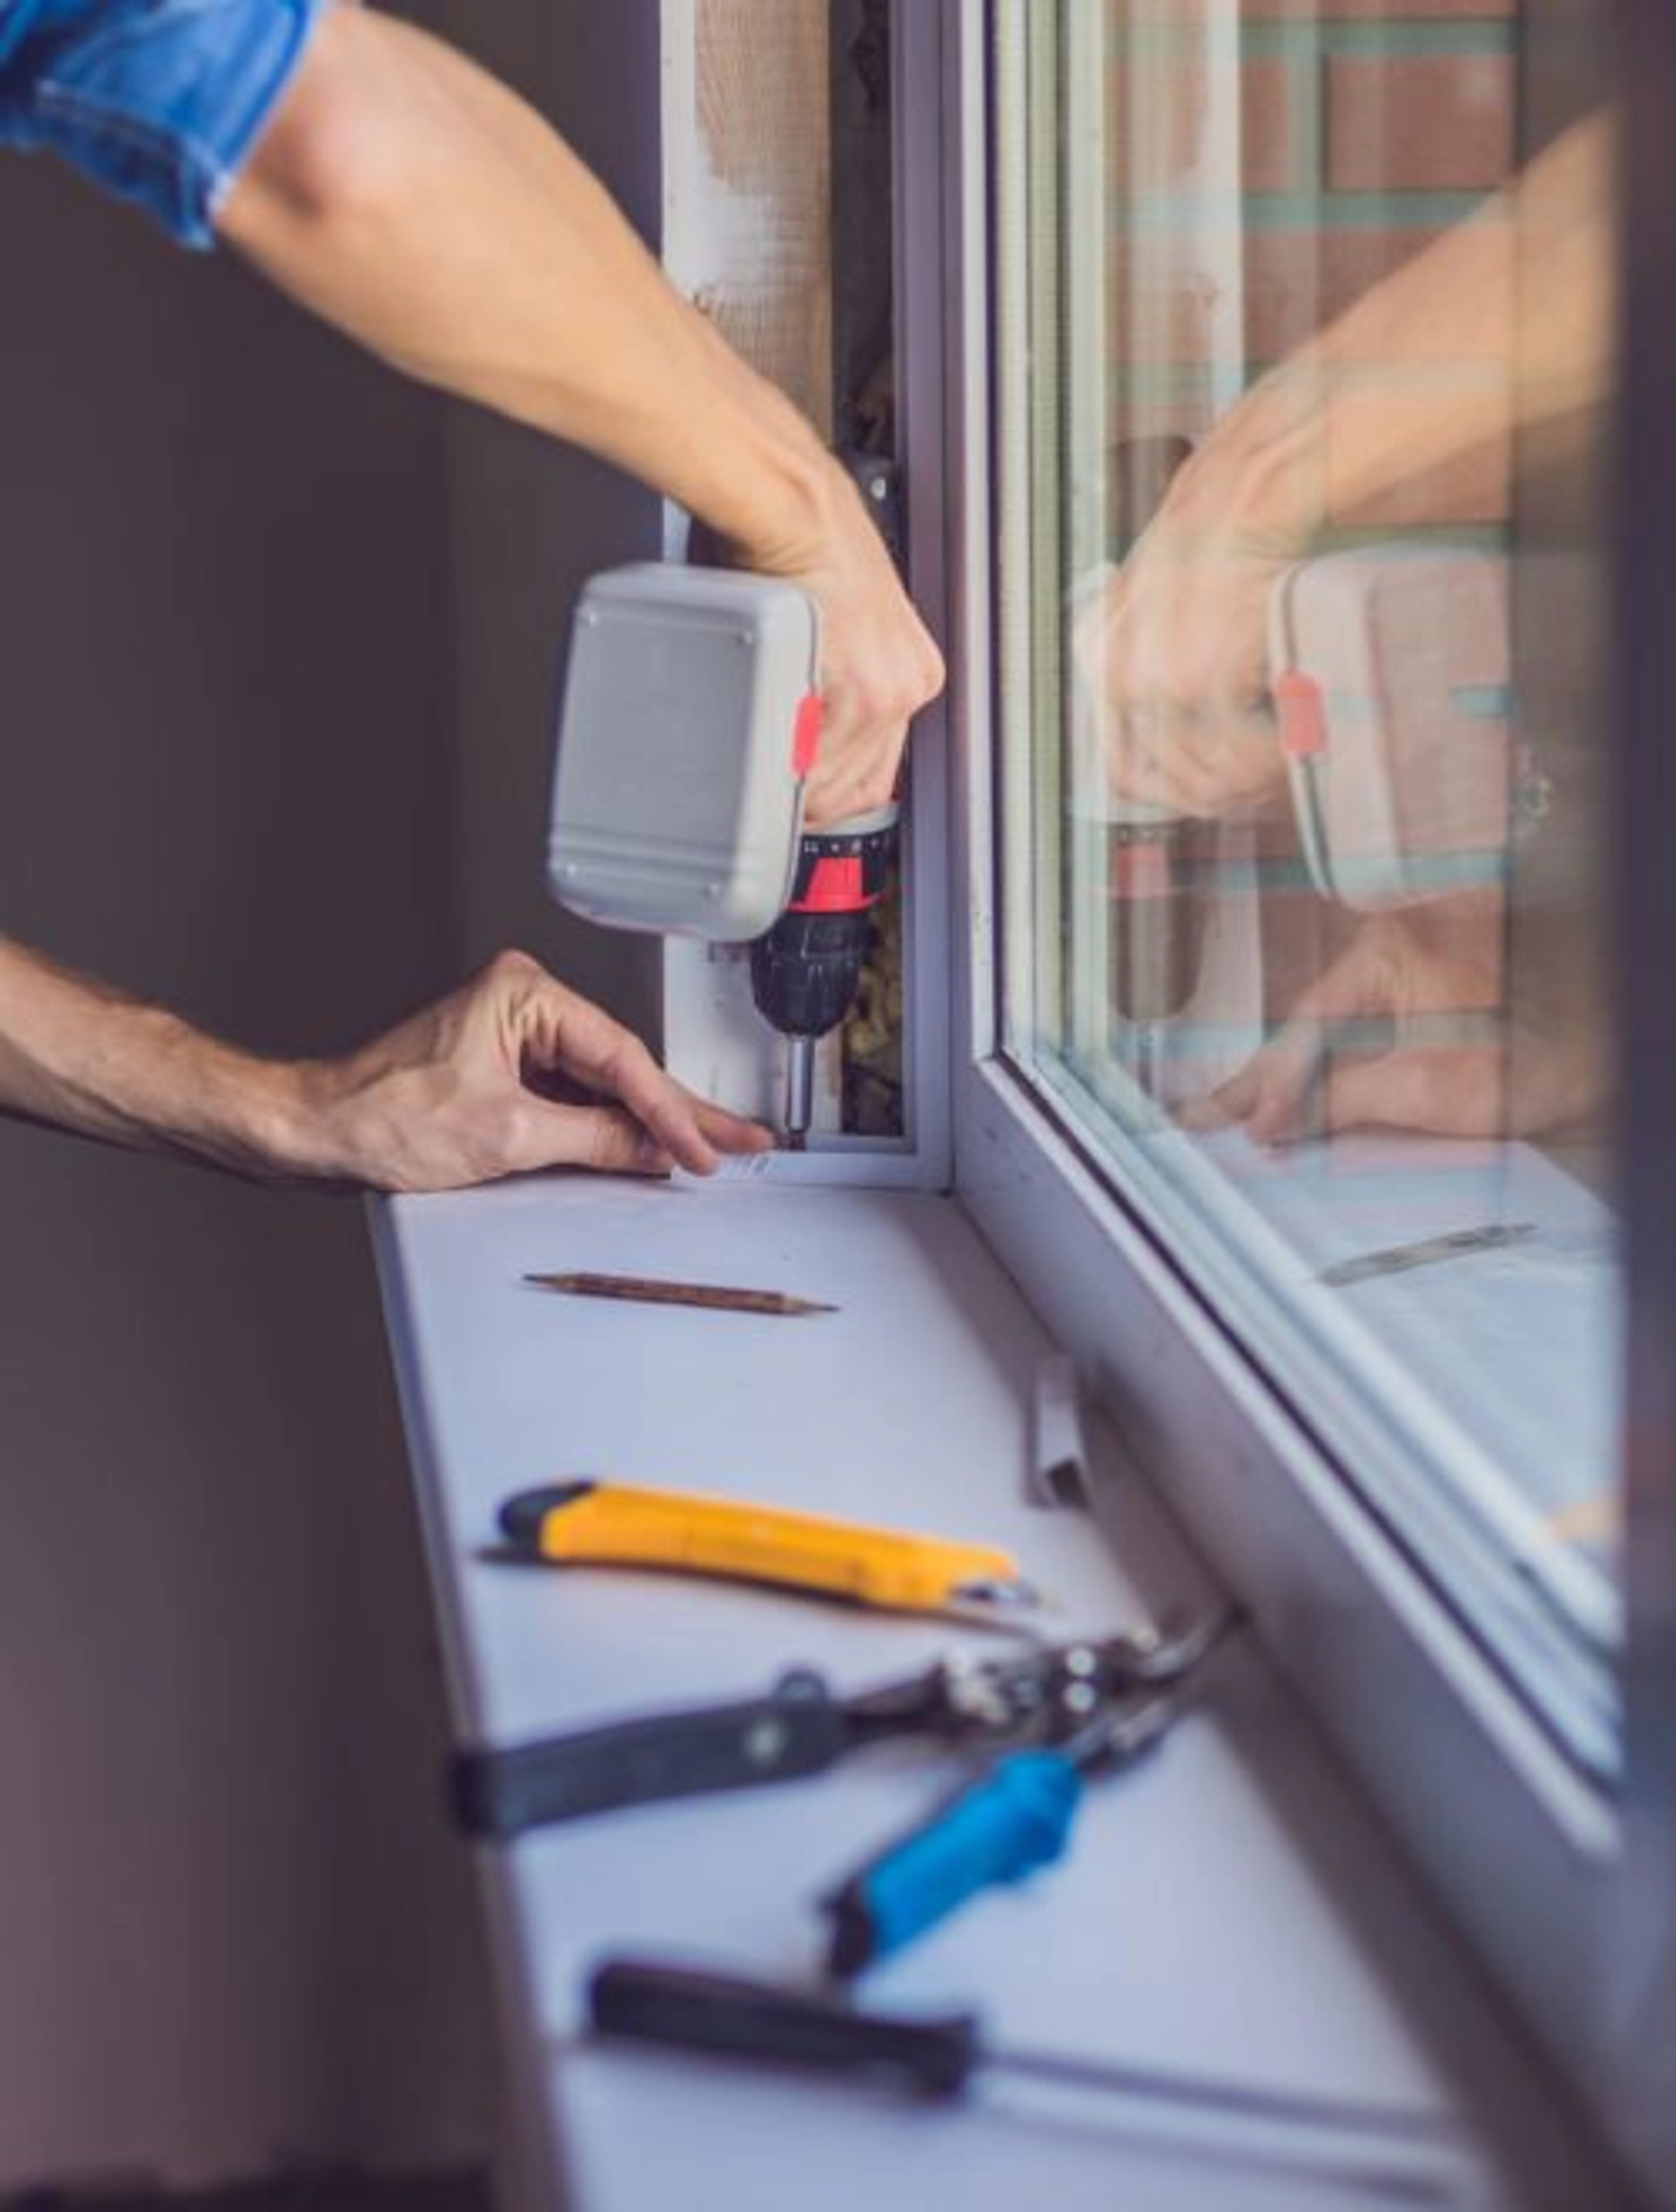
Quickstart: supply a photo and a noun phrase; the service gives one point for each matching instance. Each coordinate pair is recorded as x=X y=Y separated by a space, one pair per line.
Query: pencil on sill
x=718 y=1298
x=1426 y=1251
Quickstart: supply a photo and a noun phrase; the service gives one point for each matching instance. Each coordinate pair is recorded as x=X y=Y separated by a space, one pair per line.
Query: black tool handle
x=798 y=1730
x=700 y=2011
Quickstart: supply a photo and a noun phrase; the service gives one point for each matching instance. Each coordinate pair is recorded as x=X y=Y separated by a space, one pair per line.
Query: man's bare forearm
x=457 y=1093
x=405 y=195
x=77 y=1054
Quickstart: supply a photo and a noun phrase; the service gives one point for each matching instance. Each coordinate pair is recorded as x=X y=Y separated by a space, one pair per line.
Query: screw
x=764 y=1742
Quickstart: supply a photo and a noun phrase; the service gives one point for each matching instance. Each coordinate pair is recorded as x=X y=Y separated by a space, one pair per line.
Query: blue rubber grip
x=1016 y=1820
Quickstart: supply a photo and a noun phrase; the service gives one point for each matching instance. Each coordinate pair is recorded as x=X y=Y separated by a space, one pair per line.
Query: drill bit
x=800 y=1091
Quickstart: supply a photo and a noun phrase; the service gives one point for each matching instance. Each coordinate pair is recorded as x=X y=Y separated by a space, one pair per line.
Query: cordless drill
x=689 y=725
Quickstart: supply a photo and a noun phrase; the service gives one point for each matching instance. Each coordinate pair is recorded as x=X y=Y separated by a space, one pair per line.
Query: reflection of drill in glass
x=1155 y=922
x=1140 y=856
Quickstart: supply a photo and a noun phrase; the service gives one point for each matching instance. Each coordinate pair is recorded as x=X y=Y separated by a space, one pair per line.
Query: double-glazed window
x=1304 y=372
x=1286 y=390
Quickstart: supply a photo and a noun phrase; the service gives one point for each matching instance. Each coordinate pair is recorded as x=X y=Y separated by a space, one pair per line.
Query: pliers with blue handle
x=1050 y=1695
x=1016 y=1818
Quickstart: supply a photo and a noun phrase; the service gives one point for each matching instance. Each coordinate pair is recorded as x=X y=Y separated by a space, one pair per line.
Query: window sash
x=1570 y=1901
x=1431 y=1462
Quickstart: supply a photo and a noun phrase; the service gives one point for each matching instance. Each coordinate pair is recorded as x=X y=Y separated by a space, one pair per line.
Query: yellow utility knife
x=611 y=1524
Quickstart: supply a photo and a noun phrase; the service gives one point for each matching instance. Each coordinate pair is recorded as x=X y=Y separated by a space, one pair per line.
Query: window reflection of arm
x=1402 y=407
x=1505 y=319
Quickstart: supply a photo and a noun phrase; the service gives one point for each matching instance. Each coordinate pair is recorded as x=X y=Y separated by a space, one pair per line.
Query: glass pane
x=1303 y=366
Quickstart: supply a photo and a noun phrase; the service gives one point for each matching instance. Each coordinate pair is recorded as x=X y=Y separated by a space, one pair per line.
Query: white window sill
x=1227 y=1908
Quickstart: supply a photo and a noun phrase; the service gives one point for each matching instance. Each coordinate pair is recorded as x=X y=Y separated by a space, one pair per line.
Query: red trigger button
x=806 y=734
x=1301 y=714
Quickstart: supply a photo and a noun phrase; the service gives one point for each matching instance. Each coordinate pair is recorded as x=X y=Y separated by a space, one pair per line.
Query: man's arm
x=405 y=195
x=511 y=1073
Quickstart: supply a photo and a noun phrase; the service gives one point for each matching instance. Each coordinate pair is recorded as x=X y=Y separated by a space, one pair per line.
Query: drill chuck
x=805 y=970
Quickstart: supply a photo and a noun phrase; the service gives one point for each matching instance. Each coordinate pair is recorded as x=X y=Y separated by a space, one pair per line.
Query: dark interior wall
x=531 y=520
x=278 y=638
x=231 y=1929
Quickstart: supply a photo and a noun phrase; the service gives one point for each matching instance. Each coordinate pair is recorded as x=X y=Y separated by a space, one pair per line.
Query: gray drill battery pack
x=1390 y=667
x=688 y=721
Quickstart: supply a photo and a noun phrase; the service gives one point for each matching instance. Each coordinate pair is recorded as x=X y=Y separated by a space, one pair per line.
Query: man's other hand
x=513 y=1072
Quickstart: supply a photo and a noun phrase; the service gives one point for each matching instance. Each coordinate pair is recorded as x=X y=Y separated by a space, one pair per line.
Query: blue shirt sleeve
x=159 y=101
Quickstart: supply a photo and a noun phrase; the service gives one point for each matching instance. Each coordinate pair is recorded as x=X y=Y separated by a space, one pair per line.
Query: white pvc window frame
x=1568 y=1897
x=712 y=1037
